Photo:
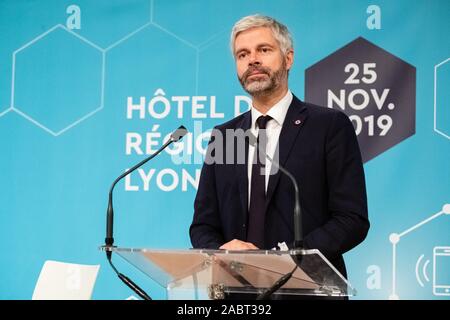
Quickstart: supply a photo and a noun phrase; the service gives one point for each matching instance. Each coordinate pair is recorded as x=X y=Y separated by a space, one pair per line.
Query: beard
x=264 y=85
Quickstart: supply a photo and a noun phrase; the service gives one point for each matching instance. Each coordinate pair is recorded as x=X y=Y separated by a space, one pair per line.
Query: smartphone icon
x=441 y=271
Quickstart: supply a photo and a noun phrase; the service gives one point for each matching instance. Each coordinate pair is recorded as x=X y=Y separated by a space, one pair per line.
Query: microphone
x=277 y=285
x=109 y=239
x=174 y=137
x=298 y=228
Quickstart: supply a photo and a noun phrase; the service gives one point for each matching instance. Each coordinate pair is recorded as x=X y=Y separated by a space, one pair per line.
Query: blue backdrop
x=88 y=88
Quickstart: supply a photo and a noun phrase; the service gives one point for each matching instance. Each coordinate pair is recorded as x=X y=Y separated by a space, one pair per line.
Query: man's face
x=261 y=65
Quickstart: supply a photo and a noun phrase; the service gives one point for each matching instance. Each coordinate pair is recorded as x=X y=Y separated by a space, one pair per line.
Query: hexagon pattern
x=58 y=80
x=161 y=61
x=107 y=29
x=192 y=27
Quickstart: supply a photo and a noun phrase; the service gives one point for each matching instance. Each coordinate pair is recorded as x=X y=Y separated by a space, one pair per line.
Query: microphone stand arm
x=298 y=227
x=109 y=240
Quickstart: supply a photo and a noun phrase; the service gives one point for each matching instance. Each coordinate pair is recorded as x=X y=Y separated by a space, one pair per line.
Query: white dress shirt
x=273 y=130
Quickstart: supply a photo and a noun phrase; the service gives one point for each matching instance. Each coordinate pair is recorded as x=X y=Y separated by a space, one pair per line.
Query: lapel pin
x=297 y=122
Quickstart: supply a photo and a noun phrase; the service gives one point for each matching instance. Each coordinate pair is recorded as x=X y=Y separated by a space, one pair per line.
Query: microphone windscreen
x=179 y=133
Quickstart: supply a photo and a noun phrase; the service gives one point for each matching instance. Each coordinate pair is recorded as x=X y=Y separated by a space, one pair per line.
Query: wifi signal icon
x=423 y=270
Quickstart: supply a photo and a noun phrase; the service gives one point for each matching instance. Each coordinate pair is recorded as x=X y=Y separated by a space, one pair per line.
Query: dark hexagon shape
x=442 y=99
x=58 y=80
x=376 y=89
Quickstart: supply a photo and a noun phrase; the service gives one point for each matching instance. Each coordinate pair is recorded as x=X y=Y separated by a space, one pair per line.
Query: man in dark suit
x=245 y=206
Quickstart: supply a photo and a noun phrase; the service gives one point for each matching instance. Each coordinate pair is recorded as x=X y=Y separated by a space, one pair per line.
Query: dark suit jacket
x=322 y=153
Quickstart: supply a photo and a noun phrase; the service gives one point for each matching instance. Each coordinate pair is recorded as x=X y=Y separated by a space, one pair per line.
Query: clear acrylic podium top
x=217 y=272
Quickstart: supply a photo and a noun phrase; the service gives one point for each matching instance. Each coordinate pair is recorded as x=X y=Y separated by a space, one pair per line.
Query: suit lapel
x=295 y=118
x=241 y=169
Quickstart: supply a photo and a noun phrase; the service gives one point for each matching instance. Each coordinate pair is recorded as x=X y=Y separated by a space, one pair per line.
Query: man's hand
x=238 y=245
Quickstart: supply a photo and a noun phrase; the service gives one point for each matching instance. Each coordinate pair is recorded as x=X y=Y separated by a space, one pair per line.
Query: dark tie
x=256 y=217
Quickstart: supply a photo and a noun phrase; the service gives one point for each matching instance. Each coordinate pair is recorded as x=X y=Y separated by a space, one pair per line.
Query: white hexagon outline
x=198 y=46
x=197 y=49
x=154 y=24
x=34 y=121
x=5 y=111
x=435 y=99
x=11 y=108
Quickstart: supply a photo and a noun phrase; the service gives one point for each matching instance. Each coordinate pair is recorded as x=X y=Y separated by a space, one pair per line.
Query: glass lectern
x=211 y=274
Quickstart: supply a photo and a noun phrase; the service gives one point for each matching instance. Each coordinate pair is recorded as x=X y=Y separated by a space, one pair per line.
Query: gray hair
x=279 y=30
